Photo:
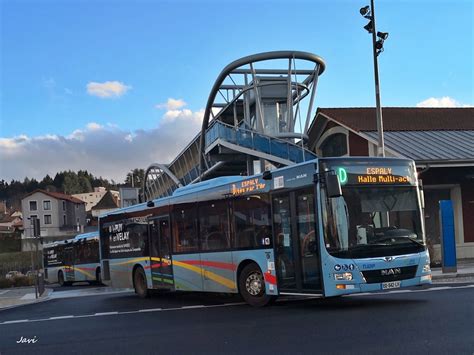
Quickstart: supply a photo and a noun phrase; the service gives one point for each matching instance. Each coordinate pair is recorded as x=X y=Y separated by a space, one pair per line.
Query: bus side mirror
x=333 y=186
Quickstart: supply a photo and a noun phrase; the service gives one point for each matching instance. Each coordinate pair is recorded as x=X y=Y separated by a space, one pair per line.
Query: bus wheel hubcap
x=253 y=284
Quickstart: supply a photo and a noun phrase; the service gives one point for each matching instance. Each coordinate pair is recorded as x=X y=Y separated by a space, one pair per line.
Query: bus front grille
x=390 y=274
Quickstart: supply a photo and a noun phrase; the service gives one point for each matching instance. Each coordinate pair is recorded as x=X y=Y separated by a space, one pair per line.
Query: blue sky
x=150 y=51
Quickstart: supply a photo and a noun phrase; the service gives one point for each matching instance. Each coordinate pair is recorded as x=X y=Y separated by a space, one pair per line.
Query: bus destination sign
x=247 y=186
x=396 y=175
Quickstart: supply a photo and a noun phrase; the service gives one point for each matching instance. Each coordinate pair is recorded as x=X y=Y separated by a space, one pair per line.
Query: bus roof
x=90 y=235
x=225 y=180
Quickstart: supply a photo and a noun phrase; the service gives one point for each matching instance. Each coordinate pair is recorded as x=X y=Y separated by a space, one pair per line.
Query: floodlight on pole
x=365 y=11
x=382 y=35
x=368 y=12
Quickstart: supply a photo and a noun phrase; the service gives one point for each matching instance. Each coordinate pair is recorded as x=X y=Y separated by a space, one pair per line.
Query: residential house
x=61 y=216
x=92 y=198
x=11 y=222
x=106 y=204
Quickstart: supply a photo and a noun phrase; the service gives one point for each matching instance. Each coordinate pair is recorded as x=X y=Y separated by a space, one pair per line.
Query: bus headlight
x=345 y=276
x=426 y=268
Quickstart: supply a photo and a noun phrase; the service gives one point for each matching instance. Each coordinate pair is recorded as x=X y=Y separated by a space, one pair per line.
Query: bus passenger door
x=296 y=250
x=69 y=263
x=160 y=253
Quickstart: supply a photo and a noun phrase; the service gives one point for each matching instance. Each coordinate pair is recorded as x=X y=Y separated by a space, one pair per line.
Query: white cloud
x=444 y=101
x=108 y=89
x=172 y=104
x=103 y=150
x=92 y=126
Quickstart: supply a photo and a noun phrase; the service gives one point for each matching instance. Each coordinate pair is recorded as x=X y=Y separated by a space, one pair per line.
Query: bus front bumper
x=350 y=288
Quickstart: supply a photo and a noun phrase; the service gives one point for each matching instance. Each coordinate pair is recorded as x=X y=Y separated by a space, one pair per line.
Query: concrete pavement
x=17 y=296
x=465 y=268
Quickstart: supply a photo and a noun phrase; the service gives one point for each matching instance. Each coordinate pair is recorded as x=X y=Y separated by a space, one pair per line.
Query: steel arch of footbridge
x=154 y=176
x=288 y=54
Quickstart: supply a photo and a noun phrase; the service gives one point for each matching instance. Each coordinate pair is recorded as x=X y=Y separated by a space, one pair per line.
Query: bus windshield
x=373 y=221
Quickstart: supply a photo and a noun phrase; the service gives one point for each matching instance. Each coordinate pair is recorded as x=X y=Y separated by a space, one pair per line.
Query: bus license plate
x=390 y=285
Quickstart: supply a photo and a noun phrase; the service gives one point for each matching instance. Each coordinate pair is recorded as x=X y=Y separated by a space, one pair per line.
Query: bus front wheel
x=252 y=286
x=139 y=283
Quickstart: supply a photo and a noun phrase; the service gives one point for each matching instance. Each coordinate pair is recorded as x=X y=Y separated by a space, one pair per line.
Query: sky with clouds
x=111 y=86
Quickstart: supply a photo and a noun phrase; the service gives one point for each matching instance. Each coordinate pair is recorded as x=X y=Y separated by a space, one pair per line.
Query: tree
x=138 y=177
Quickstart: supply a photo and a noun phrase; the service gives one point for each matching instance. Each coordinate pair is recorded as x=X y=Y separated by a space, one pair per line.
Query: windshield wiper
x=399 y=237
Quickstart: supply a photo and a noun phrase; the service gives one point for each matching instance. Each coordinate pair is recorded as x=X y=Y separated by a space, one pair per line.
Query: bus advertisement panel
x=287 y=233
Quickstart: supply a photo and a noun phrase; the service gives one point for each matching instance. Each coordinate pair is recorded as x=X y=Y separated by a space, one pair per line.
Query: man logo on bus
x=389 y=272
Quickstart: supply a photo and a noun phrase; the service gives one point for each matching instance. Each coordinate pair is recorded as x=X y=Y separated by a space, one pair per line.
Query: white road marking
x=61 y=317
x=105 y=313
x=15 y=321
x=150 y=310
x=217 y=305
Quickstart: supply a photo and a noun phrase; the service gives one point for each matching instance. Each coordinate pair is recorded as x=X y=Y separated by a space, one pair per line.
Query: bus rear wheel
x=61 y=279
x=139 y=283
x=252 y=286
x=98 y=277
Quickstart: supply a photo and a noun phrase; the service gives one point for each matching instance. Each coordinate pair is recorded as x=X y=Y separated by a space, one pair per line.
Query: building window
x=47 y=205
x=64 y=205
x=47 y=219
x=64 y=219
x=33 y=206
x=334 y=146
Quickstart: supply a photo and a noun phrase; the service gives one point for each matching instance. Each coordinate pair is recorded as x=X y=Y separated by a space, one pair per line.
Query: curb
x=39 y=300
x=452 y=276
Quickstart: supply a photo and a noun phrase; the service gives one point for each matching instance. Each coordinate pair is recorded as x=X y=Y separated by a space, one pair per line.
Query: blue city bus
x=325 y=227
x=73 y=260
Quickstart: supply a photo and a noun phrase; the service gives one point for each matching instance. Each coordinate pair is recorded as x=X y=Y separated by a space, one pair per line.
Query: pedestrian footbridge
x=256 y=118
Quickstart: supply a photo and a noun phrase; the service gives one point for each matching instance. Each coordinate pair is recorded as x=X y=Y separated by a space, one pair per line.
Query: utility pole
x=36 y=234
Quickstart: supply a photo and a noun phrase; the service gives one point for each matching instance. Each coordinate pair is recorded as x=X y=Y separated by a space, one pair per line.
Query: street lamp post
x=377 y=48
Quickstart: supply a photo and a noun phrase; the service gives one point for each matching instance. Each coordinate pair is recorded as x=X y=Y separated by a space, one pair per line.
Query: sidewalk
x=465 y=268
x=11 y=297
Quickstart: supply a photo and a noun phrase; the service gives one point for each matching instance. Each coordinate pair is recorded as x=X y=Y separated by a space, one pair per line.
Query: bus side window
x=252 y=222
x=184 y=229
x=214 y=225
